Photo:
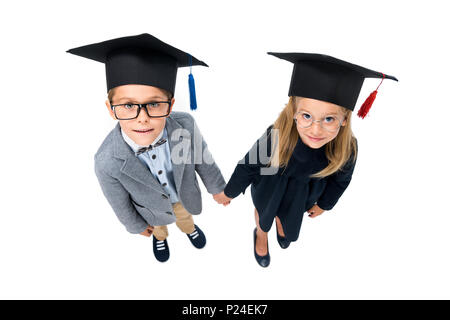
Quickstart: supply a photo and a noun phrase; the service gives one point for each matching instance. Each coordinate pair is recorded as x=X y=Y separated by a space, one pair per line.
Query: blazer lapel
x=132 y=166
x=180 y=146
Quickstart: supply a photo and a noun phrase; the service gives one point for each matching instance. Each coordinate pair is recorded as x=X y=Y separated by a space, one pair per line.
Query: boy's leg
x=160 y=232
x=185 y=221
x=160 y=246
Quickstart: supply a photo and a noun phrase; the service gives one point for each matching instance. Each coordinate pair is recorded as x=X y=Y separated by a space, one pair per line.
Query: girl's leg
x=279 y=227
x=261 y=238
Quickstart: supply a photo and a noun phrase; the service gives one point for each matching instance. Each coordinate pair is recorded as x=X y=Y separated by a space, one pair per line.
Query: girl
x=314 y=149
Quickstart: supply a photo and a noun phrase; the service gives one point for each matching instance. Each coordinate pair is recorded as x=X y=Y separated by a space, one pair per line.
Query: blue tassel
x=192 y=96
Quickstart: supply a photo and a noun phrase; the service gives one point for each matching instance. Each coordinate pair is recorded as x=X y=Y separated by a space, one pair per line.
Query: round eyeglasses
x=329 y=123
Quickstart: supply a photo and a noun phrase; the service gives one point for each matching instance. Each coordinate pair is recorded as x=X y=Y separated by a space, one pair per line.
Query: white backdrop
x=386 y=238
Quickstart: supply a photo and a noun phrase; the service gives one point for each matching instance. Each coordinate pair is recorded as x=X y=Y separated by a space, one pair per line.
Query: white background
x=386 y=238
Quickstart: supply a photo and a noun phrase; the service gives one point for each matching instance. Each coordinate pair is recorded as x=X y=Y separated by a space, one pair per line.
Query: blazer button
x=154 y=156
x=164 y=196
x=160 y=171
x=164 y=184
x=168 y=212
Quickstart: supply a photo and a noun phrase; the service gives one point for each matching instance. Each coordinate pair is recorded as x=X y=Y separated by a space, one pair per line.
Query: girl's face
x=315 y=136
x=143 y=130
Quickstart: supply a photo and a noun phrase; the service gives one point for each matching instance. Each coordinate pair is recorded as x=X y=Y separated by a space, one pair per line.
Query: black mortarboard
x=140 y=59
x=325 y=78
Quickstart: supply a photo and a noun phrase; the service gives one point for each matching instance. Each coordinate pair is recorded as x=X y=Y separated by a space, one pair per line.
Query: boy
x=146 y=165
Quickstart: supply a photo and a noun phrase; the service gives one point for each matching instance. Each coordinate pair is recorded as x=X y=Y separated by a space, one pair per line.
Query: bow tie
x=150 y=147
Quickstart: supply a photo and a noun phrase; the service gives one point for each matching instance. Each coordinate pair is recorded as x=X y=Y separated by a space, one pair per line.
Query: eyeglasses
x=154 y=109
x=329 y=123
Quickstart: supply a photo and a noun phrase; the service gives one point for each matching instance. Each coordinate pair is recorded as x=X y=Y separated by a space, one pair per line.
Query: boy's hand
x=147 y=232
x=315 y=211
x=221 y=198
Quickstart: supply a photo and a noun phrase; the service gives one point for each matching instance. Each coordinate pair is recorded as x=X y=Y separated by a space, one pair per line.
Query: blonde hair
x=337 y=151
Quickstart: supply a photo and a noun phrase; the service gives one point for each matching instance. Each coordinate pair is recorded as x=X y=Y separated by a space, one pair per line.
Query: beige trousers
x=185 y=222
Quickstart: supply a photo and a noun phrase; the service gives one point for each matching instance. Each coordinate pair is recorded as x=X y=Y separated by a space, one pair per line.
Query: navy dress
x=290 y=191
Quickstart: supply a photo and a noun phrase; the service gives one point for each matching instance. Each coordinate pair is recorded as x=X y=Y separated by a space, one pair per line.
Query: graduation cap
x=325 y=78
x=141 y=59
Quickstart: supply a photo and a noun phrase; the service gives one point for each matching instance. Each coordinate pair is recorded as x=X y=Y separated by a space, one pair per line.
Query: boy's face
x=143 y=130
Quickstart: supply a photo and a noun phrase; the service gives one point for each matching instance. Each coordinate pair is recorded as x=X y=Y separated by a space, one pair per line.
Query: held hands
x=315 y=211
x=147 y=232
x=221 y=198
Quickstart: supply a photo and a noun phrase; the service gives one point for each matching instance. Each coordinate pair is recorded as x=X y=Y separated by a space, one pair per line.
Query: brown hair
x=111 y=94
x=338 y=150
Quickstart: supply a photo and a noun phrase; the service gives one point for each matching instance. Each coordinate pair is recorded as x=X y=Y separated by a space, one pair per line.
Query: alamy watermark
x=258 y=155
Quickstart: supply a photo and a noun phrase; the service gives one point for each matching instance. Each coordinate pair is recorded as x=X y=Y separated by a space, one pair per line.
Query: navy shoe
x=197 y=237
x=263 y=261
x=161 y=250
x=282 y=241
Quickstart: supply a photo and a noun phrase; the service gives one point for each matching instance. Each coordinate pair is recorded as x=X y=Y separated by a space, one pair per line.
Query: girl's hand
x=147 y=232
x=315 y=211
x=221 y=198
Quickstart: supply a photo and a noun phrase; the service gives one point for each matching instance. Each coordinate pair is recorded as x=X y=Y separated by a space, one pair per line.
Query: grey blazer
x=136 y=196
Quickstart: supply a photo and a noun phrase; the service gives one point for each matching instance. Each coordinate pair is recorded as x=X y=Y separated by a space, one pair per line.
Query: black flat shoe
x=282 y=241
x=263 y=261
x=197 y=237
x=161 y=250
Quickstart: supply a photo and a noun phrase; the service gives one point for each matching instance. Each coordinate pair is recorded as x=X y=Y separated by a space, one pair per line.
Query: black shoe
x=197 y=237
x=263 y=261
x=161 y=250
x=282 y=241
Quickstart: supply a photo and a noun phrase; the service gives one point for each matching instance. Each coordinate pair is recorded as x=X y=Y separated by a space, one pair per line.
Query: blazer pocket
x=145 y=213
x=135 y=203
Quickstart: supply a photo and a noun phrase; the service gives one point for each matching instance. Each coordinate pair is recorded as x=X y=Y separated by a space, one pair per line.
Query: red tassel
x=364 y=110
x=365 y=107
